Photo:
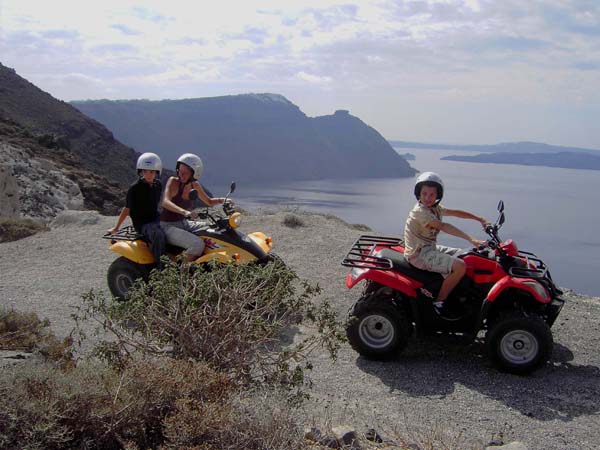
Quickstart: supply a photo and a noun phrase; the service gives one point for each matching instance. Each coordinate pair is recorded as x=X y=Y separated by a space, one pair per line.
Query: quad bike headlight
x=235 y=220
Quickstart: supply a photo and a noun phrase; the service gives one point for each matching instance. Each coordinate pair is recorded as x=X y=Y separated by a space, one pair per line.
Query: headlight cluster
x=235 y=220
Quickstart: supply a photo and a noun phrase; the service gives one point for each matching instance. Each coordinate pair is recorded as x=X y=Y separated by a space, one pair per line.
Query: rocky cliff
x=53 y=157
x=251 y=137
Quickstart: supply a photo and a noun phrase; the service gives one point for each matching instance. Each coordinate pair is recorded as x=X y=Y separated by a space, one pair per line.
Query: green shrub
x=13 y=229
x=229 y=316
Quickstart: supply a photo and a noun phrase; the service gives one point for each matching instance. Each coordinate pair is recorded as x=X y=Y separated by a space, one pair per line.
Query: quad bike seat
x=400 y=264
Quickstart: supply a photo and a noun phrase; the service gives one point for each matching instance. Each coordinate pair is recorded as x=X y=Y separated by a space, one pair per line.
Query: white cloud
x=379 y=58
x=313 y=78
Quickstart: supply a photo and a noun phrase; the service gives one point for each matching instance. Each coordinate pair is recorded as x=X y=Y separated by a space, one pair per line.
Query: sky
x=443 y=71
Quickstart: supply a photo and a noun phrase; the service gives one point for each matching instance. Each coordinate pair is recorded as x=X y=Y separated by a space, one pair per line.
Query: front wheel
x=519 y=344
x=378 y=330
x=122 y=274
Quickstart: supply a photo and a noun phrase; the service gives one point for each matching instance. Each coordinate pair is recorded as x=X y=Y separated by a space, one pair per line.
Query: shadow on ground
x=434 y=367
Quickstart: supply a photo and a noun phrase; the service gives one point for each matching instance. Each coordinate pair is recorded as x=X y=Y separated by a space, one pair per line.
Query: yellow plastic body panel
x=261 y=239
x=137 y=251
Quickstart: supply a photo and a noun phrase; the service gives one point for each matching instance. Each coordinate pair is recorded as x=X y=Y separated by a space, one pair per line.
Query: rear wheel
x=377 y=329
x=122 y=274
x=518 y=343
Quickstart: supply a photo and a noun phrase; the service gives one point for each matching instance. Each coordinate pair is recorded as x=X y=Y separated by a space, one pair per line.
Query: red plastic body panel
x=510 y=247
x=389 y=278
x=517 y=283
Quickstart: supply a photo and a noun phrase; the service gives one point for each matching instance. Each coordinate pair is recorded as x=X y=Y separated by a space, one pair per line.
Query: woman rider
x=177 y=219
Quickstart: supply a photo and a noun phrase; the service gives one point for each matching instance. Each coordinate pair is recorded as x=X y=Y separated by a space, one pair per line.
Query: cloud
x=125 y=29
x=314 y=78
x=377 y=58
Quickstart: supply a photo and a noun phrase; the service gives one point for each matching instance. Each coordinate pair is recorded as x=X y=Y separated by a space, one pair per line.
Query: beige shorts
x=435 y=258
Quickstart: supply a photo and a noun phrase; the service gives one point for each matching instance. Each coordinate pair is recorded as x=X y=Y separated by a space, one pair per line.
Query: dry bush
x=25 y=331
x=187 y=355
x=292 y=221
x=93 y=406
x=13 y=229
x=230 y=316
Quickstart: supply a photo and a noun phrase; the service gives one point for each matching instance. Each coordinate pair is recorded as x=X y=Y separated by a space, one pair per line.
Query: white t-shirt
x=416 y=232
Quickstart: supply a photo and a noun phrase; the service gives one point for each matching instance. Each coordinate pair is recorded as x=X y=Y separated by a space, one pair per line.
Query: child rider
x=424 y=223
x=141 y=204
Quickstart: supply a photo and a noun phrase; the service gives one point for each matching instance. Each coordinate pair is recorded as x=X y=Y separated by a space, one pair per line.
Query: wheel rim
x=376 y=331
x=123 y=282
x=519 y=347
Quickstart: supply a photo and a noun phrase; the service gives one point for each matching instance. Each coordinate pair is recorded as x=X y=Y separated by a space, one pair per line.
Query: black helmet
x=429 y=179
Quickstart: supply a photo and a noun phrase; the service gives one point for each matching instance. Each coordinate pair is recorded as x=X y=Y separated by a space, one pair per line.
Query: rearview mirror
x=232 y=187
x=501 y=219
x=500 y=206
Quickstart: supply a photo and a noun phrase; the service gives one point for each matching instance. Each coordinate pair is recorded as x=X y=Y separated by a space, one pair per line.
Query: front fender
x=261 y=240
x=136 y=251
x=529 y=285
x=388 y=278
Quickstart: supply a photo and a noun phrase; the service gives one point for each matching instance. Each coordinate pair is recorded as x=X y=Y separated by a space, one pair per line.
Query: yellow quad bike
x=223 y=243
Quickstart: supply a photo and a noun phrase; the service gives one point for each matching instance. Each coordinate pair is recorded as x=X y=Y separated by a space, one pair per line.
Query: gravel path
x=434 y=384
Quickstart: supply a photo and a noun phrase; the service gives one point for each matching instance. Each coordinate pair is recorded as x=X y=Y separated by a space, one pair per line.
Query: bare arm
x=465 y=215
x=451 y=229
x=120 y=220
x=212 y=201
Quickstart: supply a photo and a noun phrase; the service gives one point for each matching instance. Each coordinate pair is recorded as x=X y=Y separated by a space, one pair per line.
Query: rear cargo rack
x=124 y=234
x=361 y=253
x=540 y=271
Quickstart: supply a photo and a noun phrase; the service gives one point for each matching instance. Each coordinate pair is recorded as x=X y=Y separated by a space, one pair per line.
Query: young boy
x=420 y=235
x=143 y=198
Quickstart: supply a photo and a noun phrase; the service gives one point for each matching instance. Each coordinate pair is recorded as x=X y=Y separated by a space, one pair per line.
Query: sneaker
x=445 y=312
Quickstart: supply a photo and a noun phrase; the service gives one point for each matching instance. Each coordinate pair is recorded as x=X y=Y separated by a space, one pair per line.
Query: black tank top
x=170 y=216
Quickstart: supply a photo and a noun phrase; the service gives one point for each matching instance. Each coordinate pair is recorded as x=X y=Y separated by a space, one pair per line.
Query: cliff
x=251 y=137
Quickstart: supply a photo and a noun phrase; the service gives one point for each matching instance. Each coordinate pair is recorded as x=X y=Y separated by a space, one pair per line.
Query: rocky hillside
x=252 y=137
x=53 y=157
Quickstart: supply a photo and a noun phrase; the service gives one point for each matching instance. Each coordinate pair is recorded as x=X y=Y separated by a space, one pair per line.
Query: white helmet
x=193 y=162
x=149 y=161
x=429 y=179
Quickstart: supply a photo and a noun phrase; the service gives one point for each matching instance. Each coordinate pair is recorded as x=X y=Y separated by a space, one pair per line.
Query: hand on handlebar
x=478 y=243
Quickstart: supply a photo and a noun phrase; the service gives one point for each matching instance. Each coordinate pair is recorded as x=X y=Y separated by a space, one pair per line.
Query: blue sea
x=551 y=212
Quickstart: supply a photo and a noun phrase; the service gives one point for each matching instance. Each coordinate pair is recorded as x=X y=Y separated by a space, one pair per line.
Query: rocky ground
x=435 y=385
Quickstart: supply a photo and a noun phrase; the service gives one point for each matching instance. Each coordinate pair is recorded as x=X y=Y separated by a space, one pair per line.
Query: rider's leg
x=458 y=270
x=176 y=235
x=158 y=240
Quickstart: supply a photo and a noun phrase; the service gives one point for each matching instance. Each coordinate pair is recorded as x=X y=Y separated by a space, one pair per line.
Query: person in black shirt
x=143 y=198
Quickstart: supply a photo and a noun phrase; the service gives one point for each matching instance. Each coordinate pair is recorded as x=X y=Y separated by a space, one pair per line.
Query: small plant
x=13 y=229
x=25 y=331
x=293 y=221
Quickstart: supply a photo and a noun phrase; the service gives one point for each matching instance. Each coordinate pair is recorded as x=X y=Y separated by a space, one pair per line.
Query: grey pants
x=183 y=233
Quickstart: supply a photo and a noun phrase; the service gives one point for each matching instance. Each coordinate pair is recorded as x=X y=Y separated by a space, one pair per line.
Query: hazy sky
x=454 y=71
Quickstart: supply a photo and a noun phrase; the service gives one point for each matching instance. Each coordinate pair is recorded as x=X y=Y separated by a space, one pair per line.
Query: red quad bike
x=505 y=292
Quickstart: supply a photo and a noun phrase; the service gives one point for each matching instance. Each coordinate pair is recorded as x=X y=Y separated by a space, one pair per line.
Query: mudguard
x=137 y=251
x=261 y=240
x=388 y=278
x=528 y=285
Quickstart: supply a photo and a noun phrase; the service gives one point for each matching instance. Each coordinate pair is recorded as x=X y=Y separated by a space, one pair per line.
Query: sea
x=551 y=212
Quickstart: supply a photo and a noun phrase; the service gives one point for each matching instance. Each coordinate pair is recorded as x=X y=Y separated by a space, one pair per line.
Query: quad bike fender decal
x=387 y=278
x=529 y=285
x=221 y=257
x=136 y=251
